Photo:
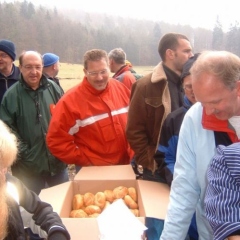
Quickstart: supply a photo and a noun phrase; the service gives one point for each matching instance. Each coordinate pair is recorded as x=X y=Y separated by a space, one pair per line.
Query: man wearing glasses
x=27 y=108
x=8 y=71
x=89 y=121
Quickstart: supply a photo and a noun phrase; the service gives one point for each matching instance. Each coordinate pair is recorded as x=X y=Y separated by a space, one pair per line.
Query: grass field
x=71 y=74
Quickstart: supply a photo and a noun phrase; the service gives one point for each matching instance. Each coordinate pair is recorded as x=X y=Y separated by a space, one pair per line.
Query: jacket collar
x=186 y=103
x=14 y=73
x=44 y=83
x=121 y=70
x=210 y=122
x=158 y=74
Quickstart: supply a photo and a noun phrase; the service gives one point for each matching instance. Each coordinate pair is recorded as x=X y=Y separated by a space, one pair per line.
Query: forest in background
x=70 y=34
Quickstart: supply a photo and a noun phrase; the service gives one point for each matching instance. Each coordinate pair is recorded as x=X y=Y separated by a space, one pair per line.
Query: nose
x=99 y=75
x=191 y=54
x=33 y=70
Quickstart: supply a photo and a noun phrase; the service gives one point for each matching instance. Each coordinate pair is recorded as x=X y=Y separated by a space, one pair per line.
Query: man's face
x=216 y=98
x=182 y=53
x=31 y=69
x=97 y=74
x=56 y=68
x=5 y=62
x=187 y=86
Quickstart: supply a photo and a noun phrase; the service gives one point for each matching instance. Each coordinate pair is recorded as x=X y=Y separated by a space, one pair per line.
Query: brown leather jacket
x=149 y=106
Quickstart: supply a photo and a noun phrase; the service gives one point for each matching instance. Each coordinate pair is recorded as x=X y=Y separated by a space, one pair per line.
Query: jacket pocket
x=154 y=101
x=107 y=129
x=152 y=104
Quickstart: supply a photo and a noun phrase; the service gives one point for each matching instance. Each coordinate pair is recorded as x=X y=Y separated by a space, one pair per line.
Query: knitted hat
x=8 y=47
x=49 y=59
x=187 y=66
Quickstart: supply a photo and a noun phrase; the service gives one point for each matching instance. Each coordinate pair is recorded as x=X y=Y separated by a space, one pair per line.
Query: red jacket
x=124 y=76
x=88 y=126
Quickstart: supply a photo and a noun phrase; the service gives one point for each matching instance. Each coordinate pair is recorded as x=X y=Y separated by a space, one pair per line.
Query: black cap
x=8 y=47
x=187 y=66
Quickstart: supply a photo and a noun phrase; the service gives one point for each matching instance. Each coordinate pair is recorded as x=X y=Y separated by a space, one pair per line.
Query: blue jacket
x=167 y=148
x=196 y=148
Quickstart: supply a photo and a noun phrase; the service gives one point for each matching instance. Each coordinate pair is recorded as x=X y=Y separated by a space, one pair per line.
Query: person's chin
x=221 y=116
x=100 y=87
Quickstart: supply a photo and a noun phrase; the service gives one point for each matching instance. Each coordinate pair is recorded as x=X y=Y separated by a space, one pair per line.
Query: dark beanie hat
x=8 y=47
x=49 y=59
x=187 y=66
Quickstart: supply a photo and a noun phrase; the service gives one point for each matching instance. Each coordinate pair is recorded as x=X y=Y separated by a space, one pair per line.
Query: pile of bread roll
x=90 y=205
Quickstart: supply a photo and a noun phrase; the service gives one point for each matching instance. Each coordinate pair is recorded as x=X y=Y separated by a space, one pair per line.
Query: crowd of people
x=178 y=125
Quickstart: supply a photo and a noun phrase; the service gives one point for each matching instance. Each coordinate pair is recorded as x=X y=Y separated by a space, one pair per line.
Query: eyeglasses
x=188 y=87
x=95 y=74
x=30 y=67
x=3 y=55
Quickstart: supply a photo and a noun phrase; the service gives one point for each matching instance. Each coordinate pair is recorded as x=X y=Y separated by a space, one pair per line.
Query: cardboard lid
x=116 y=172
x=56 y=195
x=155 y=197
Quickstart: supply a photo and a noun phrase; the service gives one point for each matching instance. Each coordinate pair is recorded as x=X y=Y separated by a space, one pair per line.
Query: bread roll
x=91 y=209
x=135 y=212
x=78 y=214
x=100 y=199
x=77 y=202
x=88 y=199
x=130 y=202
x=109 y=195
x=120 y=192
x=107 y=204
x=132 y=193
x=94 y=215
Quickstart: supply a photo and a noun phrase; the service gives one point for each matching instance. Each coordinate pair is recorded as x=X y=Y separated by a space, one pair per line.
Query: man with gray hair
x=214 y=120
x=117 y=65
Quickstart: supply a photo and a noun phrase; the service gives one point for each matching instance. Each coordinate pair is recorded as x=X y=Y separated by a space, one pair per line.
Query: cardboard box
x=153 y=197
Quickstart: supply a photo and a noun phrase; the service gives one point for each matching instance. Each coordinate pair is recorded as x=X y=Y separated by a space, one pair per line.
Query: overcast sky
x=201 y=13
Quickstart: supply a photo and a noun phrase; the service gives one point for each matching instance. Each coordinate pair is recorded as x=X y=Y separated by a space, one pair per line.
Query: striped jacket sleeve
x=222 y=200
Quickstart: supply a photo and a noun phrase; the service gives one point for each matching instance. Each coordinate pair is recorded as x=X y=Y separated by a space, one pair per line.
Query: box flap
x=155 y=198
x=116 y=172
x=56 y=195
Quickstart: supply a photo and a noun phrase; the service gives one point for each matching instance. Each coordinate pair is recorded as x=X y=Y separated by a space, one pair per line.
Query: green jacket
x=28 y=112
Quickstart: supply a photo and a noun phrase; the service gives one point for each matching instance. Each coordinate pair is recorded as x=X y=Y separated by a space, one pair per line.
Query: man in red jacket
x=88 y=124
x=117 y=64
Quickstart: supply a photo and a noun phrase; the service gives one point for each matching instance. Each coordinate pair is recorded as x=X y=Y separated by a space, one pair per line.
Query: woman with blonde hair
x=20 y=207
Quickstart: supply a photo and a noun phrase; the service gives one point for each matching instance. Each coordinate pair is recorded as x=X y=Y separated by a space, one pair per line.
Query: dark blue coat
x=7 y=82
x=167 y=148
